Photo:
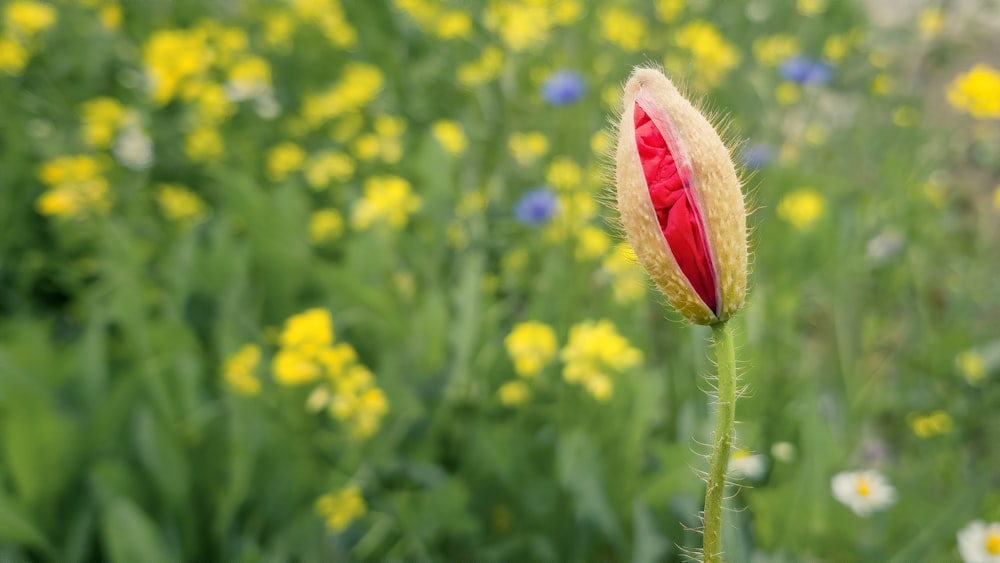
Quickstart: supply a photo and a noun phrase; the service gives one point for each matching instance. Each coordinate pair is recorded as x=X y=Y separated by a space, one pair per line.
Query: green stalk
x=725 y=358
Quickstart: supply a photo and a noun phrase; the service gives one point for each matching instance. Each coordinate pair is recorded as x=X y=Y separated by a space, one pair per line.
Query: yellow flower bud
x=680 y=200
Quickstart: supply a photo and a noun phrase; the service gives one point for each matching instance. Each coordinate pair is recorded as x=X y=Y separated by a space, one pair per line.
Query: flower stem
x=725 y=358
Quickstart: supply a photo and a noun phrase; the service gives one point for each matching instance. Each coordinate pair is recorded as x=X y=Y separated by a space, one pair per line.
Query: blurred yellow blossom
x=802 y=208
x=180 y=205
x=238 y=370
x=628 y=282
x=450 y=135
x=977 y=92
x=283 y=160
x=484 y=69
x=13 y=56
x=339 y=508
x=76 y=187
x=591 y=243
x=326 y=167
x=325 y=224
x=388 y=201
x=811 y=7
x=712 y=57
x=26 y=18
x=359 y=84
x=593 y=352
x=930 y=425
x=668 y=10
x=564 y=174
x=514 y=393
x=772 y=50
x=531 y=345
x=972 y=367
x=623 y=28
x=204 y=144
x=930 y=22
x=527 y=147
x=836 y=47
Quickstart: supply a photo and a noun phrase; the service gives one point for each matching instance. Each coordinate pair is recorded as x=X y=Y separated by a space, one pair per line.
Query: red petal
x=676 y=210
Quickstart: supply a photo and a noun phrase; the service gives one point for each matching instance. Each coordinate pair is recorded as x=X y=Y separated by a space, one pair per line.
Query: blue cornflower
x=804 y=70
x=563 y=87
x=756 y=155
x=536 y=207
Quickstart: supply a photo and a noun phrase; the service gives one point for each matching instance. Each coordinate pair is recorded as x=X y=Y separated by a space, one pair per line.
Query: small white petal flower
x=864 y=492
x=979 y=542
x=744 y=465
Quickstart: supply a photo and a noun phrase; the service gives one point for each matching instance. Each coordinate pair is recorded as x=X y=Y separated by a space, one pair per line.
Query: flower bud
x=680 y=200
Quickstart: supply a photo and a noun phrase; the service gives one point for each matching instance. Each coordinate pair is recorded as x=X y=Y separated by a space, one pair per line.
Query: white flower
x=744 y=465
x=863 y=492
x=979 y=542
x=134 y=149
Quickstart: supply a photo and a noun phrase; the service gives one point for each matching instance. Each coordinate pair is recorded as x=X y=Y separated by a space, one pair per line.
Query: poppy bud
x=680 y=200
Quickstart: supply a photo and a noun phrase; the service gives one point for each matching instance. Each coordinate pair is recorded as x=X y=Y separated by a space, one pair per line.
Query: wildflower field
x=335 y=280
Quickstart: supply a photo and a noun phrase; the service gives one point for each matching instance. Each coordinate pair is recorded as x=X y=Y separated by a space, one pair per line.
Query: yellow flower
x=802 y=208
x=284 y=159
x=531 y=346
x=972 y=366
x=13 y=56
x=102 y=118
x=485 y=69
x=326 y=167
x=594 y=350
x=25 y=18
x=977 y=92
x=773 y=50
x=623 y=28
x=527 y=147
x=930 y=425
x=564 y=174
x=339 y=508
x=204 y=144
x=388 y=201
x=180 y=205
x=238 y=370
x=514 y=393
x=712 y=56
x=325 y=224
x=450 y=135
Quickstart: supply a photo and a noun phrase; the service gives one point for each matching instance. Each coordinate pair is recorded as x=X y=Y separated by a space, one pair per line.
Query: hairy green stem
x=725 y=358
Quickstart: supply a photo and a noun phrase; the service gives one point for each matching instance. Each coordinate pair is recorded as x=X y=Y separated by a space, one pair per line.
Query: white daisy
x=863 y=492
x=979 y=542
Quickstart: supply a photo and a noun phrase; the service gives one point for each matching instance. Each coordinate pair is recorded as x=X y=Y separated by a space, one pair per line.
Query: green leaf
x=130 y=535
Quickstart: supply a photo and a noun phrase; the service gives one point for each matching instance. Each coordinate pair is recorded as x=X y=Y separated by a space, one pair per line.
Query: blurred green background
x=330 y=280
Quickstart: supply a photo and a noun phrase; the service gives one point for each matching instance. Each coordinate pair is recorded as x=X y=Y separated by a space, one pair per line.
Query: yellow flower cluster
x=802 y=208
x=347 y=389
x=623 y=28
x=977 y=92
x=388 y=202
x=341 y=507
x=932 y=424
x=181 y=205
x=531 y=346
x=484 y=69
x=435 y=20
x=238 y=370
x=76 y=187
x=593 y=352
x=23 y=21
x=628 y=282
x=527 y=24
x=359 y=85
x=712 y=57
x=384 y=143
x=329 y=17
